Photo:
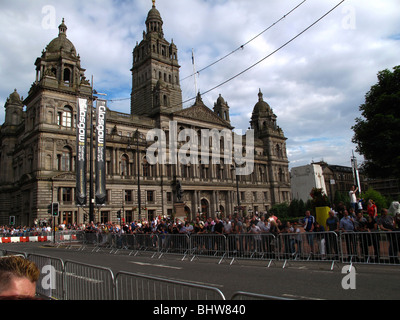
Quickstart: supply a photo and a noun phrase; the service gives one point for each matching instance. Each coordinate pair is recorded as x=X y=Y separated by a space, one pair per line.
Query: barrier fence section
x=370 y=247
x=69 y=237
x=308 y=246
x=210 y=245
x=251 y=246
x=87 y=282
x=354 y=247
x=241 y=295
x=131 y=286
x=51 y=282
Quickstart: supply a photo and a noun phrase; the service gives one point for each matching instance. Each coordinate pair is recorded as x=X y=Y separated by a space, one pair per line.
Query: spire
x=62 y=28
x=260 y=96
x=154 y=3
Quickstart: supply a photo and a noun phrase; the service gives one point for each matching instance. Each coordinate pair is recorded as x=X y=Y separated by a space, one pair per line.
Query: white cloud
x=315 y=84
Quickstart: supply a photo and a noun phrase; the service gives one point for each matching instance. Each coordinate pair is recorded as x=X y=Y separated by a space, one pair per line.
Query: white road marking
x=292 y=296
x=156 y=265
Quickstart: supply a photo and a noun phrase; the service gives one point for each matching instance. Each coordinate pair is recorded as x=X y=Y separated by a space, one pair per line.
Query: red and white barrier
x=24 y=239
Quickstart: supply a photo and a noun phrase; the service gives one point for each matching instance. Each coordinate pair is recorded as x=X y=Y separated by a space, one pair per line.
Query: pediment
x=67 y=176
x=201 y=113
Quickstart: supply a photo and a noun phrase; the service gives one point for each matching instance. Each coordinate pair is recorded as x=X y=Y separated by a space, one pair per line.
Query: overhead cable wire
x=272 y=53
x=243 y=45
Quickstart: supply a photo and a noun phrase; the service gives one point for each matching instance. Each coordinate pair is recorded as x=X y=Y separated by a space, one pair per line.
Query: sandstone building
x=38 y=143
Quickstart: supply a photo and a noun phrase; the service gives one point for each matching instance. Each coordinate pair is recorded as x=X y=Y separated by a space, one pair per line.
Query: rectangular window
x=150 y=196
x=67 y=195
x=67 y=119
x=128 y=196
x=104 y=216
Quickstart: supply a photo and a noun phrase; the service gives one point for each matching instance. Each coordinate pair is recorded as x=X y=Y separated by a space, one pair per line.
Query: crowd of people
x=342 y=219
x=350 y=221
x=256 y=224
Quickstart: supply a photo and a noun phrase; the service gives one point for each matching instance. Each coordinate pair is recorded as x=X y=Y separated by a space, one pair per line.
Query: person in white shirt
x=353 y=197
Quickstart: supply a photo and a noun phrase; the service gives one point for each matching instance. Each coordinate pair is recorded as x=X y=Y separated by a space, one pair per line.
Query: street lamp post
x=138 y=173
x=237 y=193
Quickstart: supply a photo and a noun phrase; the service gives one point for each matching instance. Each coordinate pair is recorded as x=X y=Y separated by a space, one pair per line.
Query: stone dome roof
x=154 y=14
x=61 y=42
x=221 y=100
x=261 y=106
x=14 y=98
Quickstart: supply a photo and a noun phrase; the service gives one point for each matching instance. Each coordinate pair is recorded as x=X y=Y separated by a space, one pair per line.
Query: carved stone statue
x=179 y=191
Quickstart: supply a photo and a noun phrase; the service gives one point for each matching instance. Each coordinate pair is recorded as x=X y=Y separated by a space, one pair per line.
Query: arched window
x=67 y=75
x=124 y=165
x=65 y=117
x=65 y=161
x=146 y=168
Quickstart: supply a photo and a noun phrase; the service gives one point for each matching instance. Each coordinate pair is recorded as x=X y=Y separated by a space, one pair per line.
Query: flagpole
x=91 y=204
x=195 y=73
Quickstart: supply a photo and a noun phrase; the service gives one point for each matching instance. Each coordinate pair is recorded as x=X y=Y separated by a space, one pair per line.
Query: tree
x=380 y=201
x=377 y=134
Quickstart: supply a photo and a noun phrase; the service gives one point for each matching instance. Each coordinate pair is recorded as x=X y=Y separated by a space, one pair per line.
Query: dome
x=15 y=98
x=154 y=22
x=154 y=14
x=261 y=106
x=61 y=42
x=221 y=100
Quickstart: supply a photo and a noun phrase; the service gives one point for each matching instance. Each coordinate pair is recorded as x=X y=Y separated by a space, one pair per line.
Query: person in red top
x=372 y=210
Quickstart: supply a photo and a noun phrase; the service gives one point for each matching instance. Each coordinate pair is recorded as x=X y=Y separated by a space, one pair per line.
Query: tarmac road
x=298 y=280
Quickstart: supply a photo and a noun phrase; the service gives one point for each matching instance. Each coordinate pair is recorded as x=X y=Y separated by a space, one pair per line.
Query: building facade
x=330 y=178
x=38 y=144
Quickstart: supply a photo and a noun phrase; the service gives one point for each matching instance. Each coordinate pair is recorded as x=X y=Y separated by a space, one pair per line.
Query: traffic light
x=55 y=209
x=119 y=214
x=49 y=208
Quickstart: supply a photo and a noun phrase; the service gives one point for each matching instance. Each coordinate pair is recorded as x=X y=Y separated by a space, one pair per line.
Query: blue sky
x=314 y=85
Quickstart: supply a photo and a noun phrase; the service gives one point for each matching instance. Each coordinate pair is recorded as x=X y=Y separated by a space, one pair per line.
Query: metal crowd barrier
x=70 y=280
x=131 y=286
x=308 y=246
x=240 y=295
x=51 y=282
x=370 y=247
x=69 y=238
x=251 y=246
x=87 y=282
x=353 y=247
x=210 y=245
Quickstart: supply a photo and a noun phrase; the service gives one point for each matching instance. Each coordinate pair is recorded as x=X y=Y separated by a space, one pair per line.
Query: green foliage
x=377 y=133
x=296 y=208
x=280 y=210
x=341 y=197
x=380 y=201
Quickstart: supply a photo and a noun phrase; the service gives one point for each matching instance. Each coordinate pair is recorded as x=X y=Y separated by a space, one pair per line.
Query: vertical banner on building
x=101 y=193
x=81 y=150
